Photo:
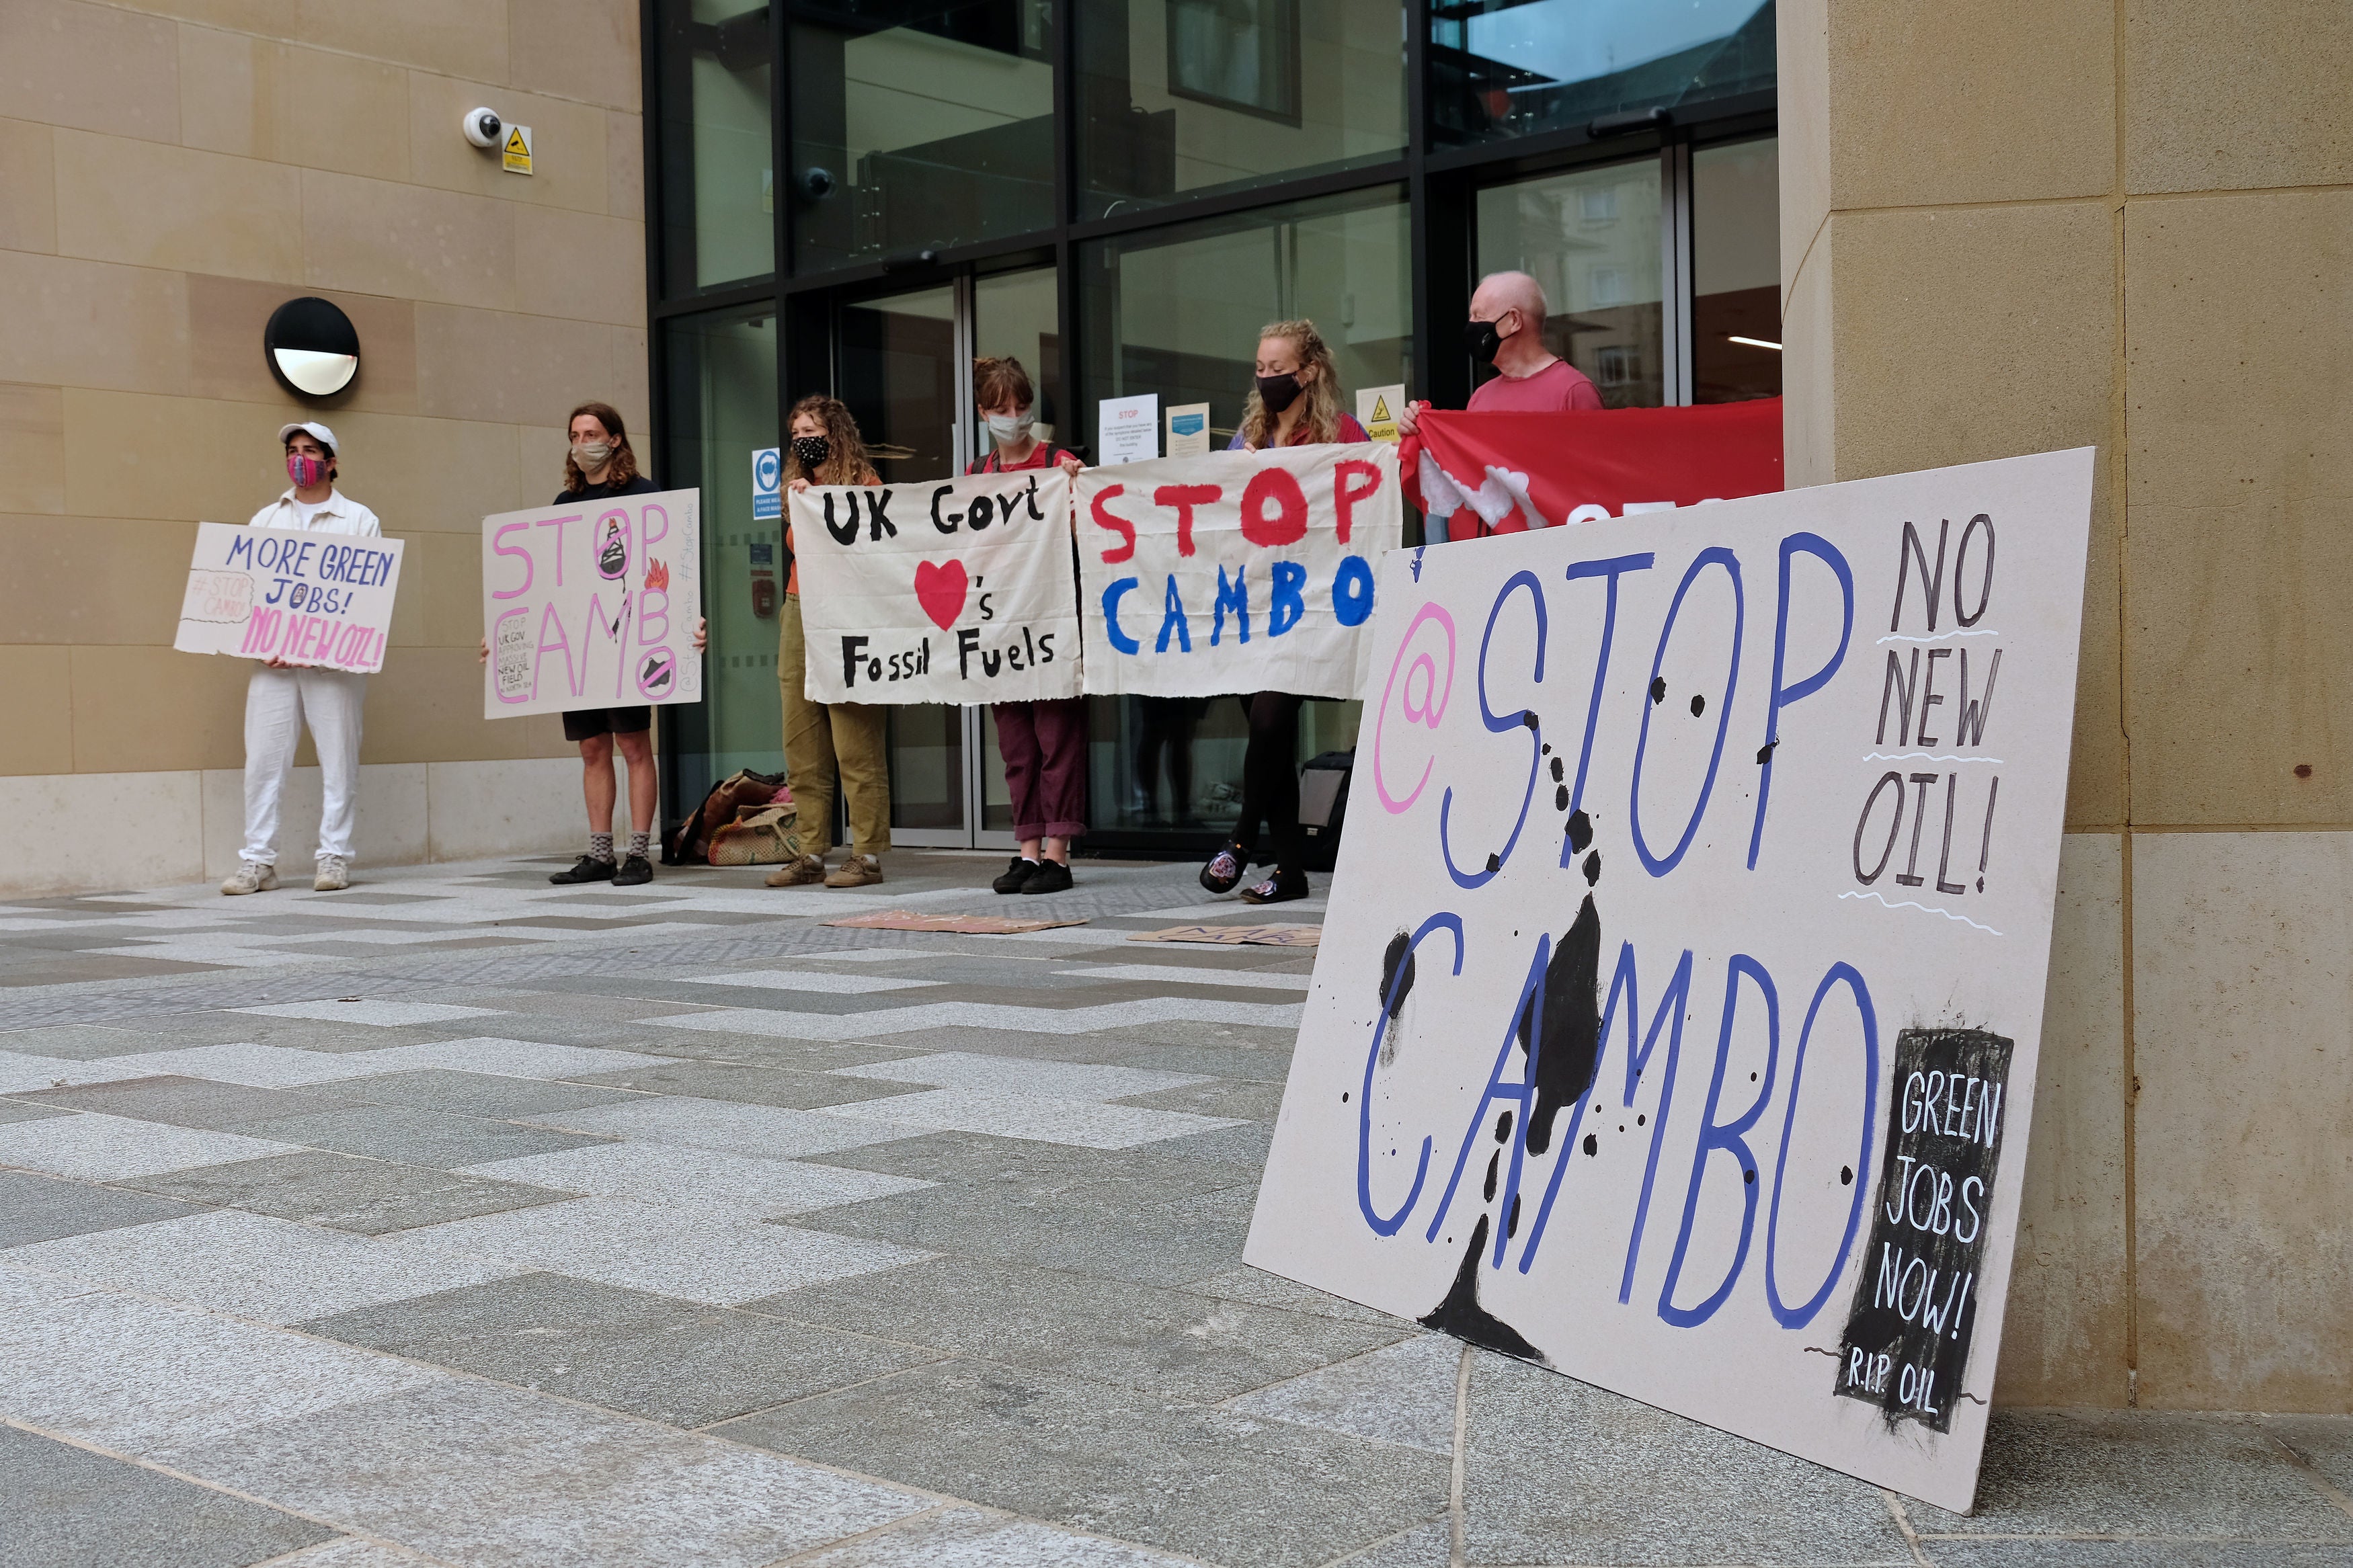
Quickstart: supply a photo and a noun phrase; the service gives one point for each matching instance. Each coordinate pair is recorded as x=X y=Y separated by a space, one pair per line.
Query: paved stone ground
x=460 y=1220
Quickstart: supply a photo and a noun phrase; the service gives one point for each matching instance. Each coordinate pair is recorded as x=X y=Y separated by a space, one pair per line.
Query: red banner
x=1506 y=473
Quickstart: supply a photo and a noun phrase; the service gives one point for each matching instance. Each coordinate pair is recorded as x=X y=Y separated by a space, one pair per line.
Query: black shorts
x=588 y=724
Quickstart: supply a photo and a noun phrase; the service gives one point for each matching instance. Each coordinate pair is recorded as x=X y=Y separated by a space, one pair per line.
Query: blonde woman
x=823 y=740
x=1295 y=402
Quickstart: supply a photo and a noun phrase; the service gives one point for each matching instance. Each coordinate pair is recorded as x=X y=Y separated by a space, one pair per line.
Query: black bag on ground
x=1324 y=804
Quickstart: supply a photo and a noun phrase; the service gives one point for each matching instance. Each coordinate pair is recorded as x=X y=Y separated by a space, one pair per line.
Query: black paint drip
x=1568 y=1040
x=1580 y=831
x=1461 y=1315
x=1399 y=953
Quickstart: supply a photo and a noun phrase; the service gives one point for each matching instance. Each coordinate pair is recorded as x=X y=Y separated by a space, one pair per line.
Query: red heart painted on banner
x=941 y=591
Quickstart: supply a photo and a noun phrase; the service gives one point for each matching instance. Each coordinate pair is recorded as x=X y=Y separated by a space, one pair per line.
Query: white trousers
x=278 y=702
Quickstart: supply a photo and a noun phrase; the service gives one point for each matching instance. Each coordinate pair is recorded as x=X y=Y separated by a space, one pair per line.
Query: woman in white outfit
x=281 y=697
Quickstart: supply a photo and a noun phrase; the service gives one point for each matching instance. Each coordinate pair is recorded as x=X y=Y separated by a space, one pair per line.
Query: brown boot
x=858 y=871
x=798 y=873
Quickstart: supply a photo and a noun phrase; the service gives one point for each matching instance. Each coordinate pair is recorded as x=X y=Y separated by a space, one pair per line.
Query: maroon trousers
x=1044 y=748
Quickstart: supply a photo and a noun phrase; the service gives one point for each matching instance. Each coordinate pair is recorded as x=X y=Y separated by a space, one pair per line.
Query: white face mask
x=591 y=455
x=1009 y=429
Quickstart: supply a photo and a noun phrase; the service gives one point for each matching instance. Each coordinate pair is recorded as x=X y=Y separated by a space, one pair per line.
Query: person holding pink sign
x=281 y=697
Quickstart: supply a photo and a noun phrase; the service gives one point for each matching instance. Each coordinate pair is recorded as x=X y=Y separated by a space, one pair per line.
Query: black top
x=638 y=486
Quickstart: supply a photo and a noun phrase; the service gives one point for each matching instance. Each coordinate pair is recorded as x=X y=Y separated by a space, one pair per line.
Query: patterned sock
x=600 y=848
x=637 y=843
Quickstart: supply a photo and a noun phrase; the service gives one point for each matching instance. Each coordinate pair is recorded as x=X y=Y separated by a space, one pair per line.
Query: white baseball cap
x=324 y=436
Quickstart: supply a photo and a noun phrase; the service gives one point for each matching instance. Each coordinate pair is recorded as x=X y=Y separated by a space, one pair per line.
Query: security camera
x=483 y=127
x=816 y=184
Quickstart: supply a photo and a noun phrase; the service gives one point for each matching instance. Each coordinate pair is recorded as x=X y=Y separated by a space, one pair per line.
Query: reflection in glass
x=1513 y=68
x=918 y=123
x=720 y=374
x=1177 y=313
x=1591 y=238
x=717 y=185
x=1191 y=96
x=1016 y=314
x=1736 y=271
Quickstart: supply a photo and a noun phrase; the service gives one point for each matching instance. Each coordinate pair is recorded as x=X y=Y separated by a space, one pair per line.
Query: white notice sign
x=1129 y=428
x=1675 y=1022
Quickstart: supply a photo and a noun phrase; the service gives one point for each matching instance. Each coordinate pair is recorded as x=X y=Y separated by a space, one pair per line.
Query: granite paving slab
x=519 y=1480
x=43 y=1208
x=1107 y=1331
x=670 y=1361
x=750 y=1082
x=254 y=1064
x=347 y=1191
x=768 y=1132
x=25 y=1110
x=1093 y=1457
x=1086 y=1123
x=973 y=1538
x=31 y=1074
x=68 y=1508
x=1429 y=1545
x=816 y=982
x=1402 y=1393
x=702 y=1179
x=95 y=1148
x=1026 y=1170
x=373 y=1010
x=1218 y=1099
x=189 y=1101
x=2078 y=1553
x=1033 y=1079
x=351 y=1551
x=717 y=1259
x=258 y=1267
x=1194 y=975
x=924 y=1018
x=479 y=1094
x=75 y=1042
x=1264 y=1289
x=514 y=1058
x=419 y=1137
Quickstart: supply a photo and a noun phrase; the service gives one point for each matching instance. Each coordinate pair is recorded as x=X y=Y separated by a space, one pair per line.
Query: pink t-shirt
x=1557 y=388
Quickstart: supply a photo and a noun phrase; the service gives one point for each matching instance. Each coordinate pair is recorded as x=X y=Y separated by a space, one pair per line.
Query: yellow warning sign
x=515 y=158
x=1377 y=409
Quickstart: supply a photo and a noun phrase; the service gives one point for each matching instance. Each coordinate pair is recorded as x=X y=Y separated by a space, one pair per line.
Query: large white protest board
x=592 y=603
x=1675 y=1022
x=1235 y=572
x=950 y=591
x=322 y=600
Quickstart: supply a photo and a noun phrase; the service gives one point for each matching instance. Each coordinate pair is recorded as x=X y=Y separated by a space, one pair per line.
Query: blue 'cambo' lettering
x=1728 y=1138
x=1389 y=1225
x=1352 y=605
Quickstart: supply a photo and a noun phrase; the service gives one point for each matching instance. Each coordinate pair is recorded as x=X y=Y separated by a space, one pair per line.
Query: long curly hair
x=845 y=458
x=620 y=469
x=1320 y=416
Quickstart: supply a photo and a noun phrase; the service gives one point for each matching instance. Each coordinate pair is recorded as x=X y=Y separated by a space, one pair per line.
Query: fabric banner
x=1676 y=1019
x=593 y=604
x=953 y=591
x=1476 y=474
x=1235 y=572
x=322 y=600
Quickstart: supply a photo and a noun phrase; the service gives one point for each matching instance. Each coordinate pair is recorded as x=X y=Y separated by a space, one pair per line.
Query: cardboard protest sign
x=1676 y=1016
x=1476 y=474
x=322 y=600
x=1235 y=572
x=593 y=604
x=952 y=591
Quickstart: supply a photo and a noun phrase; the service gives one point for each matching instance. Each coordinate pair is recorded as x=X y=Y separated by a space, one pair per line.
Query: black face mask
x=811 y=451
x=1483 y=339
x=1278 y=392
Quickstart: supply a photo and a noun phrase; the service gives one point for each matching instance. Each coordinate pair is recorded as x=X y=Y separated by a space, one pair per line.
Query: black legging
x=1269 y=779
x=1166 y=726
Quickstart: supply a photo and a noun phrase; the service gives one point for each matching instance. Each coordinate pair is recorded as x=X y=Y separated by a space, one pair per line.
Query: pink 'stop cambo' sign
x=592 y=604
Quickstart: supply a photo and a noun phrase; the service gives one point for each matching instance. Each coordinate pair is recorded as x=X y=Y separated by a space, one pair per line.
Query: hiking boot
x=634 y=872
x=334 y=875
x=1016 y=873
x=588 y=868
x=1224 y=870
x=249 y=877
x=858 y=871
x=1051 y=876
x=798 y=873
x=1278 y=889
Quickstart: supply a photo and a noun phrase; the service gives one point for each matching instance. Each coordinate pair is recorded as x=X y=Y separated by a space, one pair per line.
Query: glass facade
x=1120 y=194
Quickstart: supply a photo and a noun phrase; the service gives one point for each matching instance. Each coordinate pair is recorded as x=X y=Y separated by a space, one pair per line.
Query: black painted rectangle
x=1908 y=1331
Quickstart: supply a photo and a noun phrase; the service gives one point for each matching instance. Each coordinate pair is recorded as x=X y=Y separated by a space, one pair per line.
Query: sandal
x=1225 y=868
x=1278 y=889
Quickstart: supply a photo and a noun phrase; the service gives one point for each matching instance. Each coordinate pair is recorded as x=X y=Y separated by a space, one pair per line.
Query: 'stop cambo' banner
x=1676 y=1019
x=951 y=591
x=592 y=604
x=1235 y=572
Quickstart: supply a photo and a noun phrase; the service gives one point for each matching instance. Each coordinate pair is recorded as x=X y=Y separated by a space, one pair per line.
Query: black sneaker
x=634 y=871
x=1051 y=876
x=1016 y=873
x=1278 y=889
x=588 y=868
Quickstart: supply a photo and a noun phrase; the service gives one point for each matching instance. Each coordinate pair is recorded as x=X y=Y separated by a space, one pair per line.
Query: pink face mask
x=305 y=471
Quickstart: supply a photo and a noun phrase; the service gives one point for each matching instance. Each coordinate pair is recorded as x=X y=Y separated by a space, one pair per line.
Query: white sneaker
x=334 y=875
x=250 y=878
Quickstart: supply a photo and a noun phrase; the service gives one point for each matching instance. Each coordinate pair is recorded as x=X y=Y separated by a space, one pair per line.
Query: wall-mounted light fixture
x=311 y=346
